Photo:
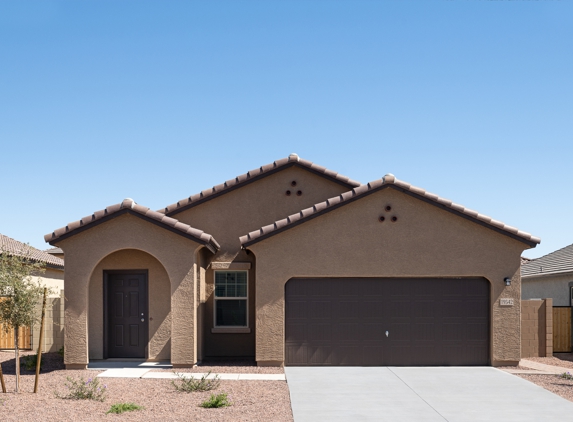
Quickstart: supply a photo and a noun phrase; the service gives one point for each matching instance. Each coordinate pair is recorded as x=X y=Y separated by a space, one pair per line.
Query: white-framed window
x=231 y=299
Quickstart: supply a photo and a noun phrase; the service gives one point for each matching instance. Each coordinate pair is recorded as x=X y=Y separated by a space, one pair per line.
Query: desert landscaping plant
x=189 y=385
x=216 y=401
x=124 y=407
x=566 y=376
x=19 y=293
x=78 y=389
x=29 y=362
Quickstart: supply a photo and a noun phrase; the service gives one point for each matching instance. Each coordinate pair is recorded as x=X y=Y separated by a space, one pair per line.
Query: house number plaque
x=506 y=302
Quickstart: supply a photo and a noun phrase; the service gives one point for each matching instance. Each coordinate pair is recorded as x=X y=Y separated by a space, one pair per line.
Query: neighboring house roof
x=525 y=260
x=14 y=247
x=253 y=175
x=54 y=250
x=560 y=261
x=388 y=181
x=128 y=206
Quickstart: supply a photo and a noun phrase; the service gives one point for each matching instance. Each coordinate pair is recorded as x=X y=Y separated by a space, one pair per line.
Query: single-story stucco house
x=294 y=264
x=550 y=276
x=53 y=278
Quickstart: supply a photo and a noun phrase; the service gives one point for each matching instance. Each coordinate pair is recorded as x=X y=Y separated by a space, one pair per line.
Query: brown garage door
x=387 y=322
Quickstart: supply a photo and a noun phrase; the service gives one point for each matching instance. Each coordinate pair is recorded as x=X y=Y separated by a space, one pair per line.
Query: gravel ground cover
x=553 y=383
x=251 y=400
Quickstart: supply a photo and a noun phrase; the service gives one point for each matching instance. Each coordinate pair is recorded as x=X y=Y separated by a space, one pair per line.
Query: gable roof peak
x=293 y=157
x=128 y=205
x=389 y=178
x=256 y=174
x=388 y=181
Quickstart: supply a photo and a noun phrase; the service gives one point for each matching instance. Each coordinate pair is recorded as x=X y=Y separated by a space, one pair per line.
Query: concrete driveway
x=400 y=394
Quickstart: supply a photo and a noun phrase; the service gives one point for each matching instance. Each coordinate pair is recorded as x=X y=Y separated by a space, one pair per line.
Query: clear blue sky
x=103 y=100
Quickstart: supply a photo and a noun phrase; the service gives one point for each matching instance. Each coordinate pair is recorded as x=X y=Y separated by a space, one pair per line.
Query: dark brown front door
x=387 y=322
x=126 y=315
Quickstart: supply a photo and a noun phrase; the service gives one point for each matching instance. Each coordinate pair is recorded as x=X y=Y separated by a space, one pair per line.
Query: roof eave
x=210 y=244
x=548 y=274
x=350 y=185
x=529 y=242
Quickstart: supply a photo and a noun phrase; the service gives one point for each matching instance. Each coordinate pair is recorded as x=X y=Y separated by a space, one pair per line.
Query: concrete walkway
x=141 y=369
x=541 y=367
x=453 y=394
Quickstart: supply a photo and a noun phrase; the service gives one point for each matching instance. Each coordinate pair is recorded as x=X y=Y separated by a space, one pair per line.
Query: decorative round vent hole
x=299 y=193
x=394 y=219
x=388 y=208
x=381 y=219
x=287 y=193
x=293 y=183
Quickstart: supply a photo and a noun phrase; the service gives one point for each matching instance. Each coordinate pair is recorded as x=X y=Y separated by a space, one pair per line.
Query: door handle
x=142 y=320
x=387 y=333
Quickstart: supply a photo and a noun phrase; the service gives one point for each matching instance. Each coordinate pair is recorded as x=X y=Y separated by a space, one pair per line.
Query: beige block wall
x=425 y=241
x=234 y=214
x=53 y=325
x=536 y=328
x=176 y=254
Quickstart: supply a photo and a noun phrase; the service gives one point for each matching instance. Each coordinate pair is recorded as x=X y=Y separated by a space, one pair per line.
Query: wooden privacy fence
x=7 y=338
x=562 y=329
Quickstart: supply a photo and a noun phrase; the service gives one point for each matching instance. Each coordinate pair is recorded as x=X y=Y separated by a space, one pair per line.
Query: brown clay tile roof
x=256 y=174
x=129 y=206
x=388 y=181
x=14 y=247
x=557 y=262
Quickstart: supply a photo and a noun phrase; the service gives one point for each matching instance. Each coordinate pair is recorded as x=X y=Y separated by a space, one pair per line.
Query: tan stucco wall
x=159 y=302
x=53 y=279
x=239 y=212
x=425 y=242
x=175 y=253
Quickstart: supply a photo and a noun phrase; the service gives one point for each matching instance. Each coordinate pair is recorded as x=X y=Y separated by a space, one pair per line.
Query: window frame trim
x=239 y=328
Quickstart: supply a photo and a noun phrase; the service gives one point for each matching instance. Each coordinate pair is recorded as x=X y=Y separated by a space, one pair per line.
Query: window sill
x=230 y=330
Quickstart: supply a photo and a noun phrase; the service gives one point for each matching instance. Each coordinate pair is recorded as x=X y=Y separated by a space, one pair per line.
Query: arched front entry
x=129 y=307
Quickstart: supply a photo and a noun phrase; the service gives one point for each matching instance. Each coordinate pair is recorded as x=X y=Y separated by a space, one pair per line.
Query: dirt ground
x=251 y=400
x=554 y=383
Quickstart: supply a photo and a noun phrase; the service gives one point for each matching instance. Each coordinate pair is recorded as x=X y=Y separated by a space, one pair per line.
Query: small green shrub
x=566 y=376
x=124 y=407
x=61 y=351
x=216 y=401
x=29 y=362
x=189 y=385
x=78 y=389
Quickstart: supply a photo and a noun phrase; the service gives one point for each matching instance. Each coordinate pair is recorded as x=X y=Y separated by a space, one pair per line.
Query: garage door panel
x=350 y=309
x=344 y=322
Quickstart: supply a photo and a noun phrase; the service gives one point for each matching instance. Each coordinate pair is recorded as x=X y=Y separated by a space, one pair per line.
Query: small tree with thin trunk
x=19 y=294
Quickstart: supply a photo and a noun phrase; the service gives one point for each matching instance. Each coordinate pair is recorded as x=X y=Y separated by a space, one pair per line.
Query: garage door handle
x=387 y=333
